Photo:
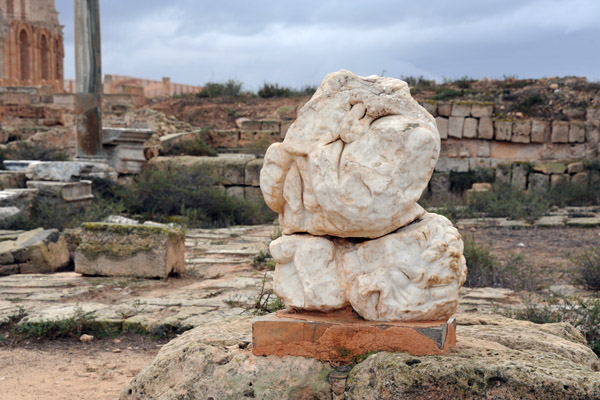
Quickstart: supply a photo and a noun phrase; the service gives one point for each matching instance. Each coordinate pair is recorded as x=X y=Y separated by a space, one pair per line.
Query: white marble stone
x=412 y=274
x=354 y=162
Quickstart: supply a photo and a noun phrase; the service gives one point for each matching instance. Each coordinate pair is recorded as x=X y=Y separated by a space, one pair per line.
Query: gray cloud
x=298 y=42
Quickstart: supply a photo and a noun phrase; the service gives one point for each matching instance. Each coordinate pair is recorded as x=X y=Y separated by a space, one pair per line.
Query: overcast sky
x=297 y=43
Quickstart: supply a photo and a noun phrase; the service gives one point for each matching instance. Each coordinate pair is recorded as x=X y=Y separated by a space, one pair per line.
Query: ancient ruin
x=345 y=182
x=31 y=44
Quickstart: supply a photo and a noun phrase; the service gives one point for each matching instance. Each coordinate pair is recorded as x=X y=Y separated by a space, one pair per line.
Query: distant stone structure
x=31 y=44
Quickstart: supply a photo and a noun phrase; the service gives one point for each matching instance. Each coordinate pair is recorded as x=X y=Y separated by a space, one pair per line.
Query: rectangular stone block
x=442 y=125
x=503 y=129
x=576 y=132
x=540 y=131
x=452 y=164
x=228 y=139
x=461 y=109
x=482 y=110
x=485 y=129
x=455 y=127
x=559 y=179
x=248 y=124
x=236 y=191
x=470 y=128
x=66 y=191
x=560 y=132
x=431 y=107
x=521 y=132
x=539 y=182
x=341 y=336
x=503 y=173
x=130 y=250
x=270 y=125
x=439 y=182
x=444 y=109
x=479 y=163
x=484 y=149
x=252 y=172
x=253 y=194
x=519 y=176
x=10 y=179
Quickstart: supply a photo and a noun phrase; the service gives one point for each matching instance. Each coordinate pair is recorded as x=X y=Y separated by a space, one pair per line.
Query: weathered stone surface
x=118 y=219
x=540 y=131
x=461 y=109
x=484 y=149
x=64 y=171
x=456 y=126
x=442 y=126
x=503 y=173
x=486 y=128
x=519 y=176
x=575 y=167
x=521 y=131
x=372 y=275
x=470 y=128
x=431 y=107
x=69 y=192
x=9 y=212
x=452 y=164
x=36 y=251
x=12 y=180
x=576 y=132
x=440 y=182
x=580 y=178
x=130 y=250
x=559 y=179
x=539 y=182
x=560 y=132
x=220 y=369
x=495 y=357
x=482 y=110
x=549 y=167
x=252 y=172
x=503 y=129
x=346 y=166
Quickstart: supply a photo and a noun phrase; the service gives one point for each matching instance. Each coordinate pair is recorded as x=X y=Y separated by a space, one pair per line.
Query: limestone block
x=130 y=250
x=268 y=125
x=560 y=132
x=503 y=130
x=484 y=149
x=482 y=110
x=7 y=213
x=540 y=131
x=439 y=183
x=237 y=191
x=559 y=179
x=549 y=167
x=452 y=164
x=40 y=251
x=575 y=167
x=69 y=192
x=258 y=138
x=66 y=171
x=503 y=173
x=470 y=128
x=479 y=163
x=414 y=273
x=576 y=132
x=456 y=126
x=253 y=194
x=252 y=172
x=431 y=107
x=442 y=126
x=248 y=124
x=12 y=180
x=539 y=182
x=519 y=176
x=486 y=128
x=444 y=109
x=229 y=139
x=580 y=178
x=461 y=110
x=347 y=165
x=521 y=132
x=574 y=113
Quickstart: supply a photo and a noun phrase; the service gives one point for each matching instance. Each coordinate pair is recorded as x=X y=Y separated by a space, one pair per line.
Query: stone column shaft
x=88 y=86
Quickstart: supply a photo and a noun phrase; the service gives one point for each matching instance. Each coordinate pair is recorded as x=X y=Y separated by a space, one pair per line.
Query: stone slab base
x=343 y=335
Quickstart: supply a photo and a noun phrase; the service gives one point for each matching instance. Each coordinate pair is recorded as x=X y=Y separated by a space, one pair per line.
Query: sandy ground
x=69 y=369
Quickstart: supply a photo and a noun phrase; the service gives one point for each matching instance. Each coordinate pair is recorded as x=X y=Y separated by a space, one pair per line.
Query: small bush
x=34 y=151
x=461 y=181
x=447 y=93
x=418 y=81
x=192 y=147
x=508 y=201
x=588 y=268
x=528 y=103
x=270 y=90
x=231 y=88
x=485 y=270
x=263 y=260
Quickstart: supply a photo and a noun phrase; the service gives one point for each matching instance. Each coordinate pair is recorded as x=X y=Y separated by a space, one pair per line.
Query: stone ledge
x=341 y=336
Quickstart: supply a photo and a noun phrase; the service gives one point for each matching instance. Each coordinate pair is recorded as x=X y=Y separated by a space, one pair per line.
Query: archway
x=24 y=55
x=45 y=55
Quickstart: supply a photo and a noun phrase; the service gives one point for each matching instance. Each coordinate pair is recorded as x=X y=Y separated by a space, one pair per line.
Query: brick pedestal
x=342 y=336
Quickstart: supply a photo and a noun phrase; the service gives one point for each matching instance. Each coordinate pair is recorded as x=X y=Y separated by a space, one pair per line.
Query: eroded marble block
x=355 y=161
x=412 y=274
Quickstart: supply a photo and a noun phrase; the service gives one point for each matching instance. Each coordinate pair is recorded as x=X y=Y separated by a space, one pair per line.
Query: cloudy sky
x=296 y=43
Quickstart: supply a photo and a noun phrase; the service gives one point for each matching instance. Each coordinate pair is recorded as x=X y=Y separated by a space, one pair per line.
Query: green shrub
x=486 y=270
x=270 y=90
x=508 y=201
x=34 y=151
x=192 y=147
x=447 y=93
x=574 y=194
x=461 y=181
x=263 y=260
x=231 y=88
x=588 y=268
x=418 y=81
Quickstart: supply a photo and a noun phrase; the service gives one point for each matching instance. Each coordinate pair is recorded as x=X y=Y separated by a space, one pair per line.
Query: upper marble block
x=355 y=161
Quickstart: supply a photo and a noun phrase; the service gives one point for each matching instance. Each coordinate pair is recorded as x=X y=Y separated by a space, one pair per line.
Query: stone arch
x=24 y=56
x=45 y=57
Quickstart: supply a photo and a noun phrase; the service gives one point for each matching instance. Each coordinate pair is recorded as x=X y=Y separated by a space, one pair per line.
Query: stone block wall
x=251 y=135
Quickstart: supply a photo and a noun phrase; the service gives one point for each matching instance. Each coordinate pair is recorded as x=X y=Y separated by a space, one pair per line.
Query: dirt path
x=72 y=370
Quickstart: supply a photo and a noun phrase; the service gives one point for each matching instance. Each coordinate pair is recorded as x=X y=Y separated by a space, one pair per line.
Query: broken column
x=358 y=255
x=88 y=72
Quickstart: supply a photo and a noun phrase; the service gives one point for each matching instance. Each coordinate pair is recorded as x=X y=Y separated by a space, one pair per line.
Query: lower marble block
x=343 y=335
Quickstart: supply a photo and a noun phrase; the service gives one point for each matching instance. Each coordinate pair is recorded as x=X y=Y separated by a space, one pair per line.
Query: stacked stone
x=345 y=182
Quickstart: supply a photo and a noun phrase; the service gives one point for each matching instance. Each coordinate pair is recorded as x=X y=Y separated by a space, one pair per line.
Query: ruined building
x=31 y=44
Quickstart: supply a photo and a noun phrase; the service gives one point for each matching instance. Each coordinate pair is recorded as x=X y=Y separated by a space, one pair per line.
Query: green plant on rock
x=266 y=302
x=263 y=260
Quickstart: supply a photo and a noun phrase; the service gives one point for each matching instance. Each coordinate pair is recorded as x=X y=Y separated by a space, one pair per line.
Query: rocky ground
x=216 y=295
